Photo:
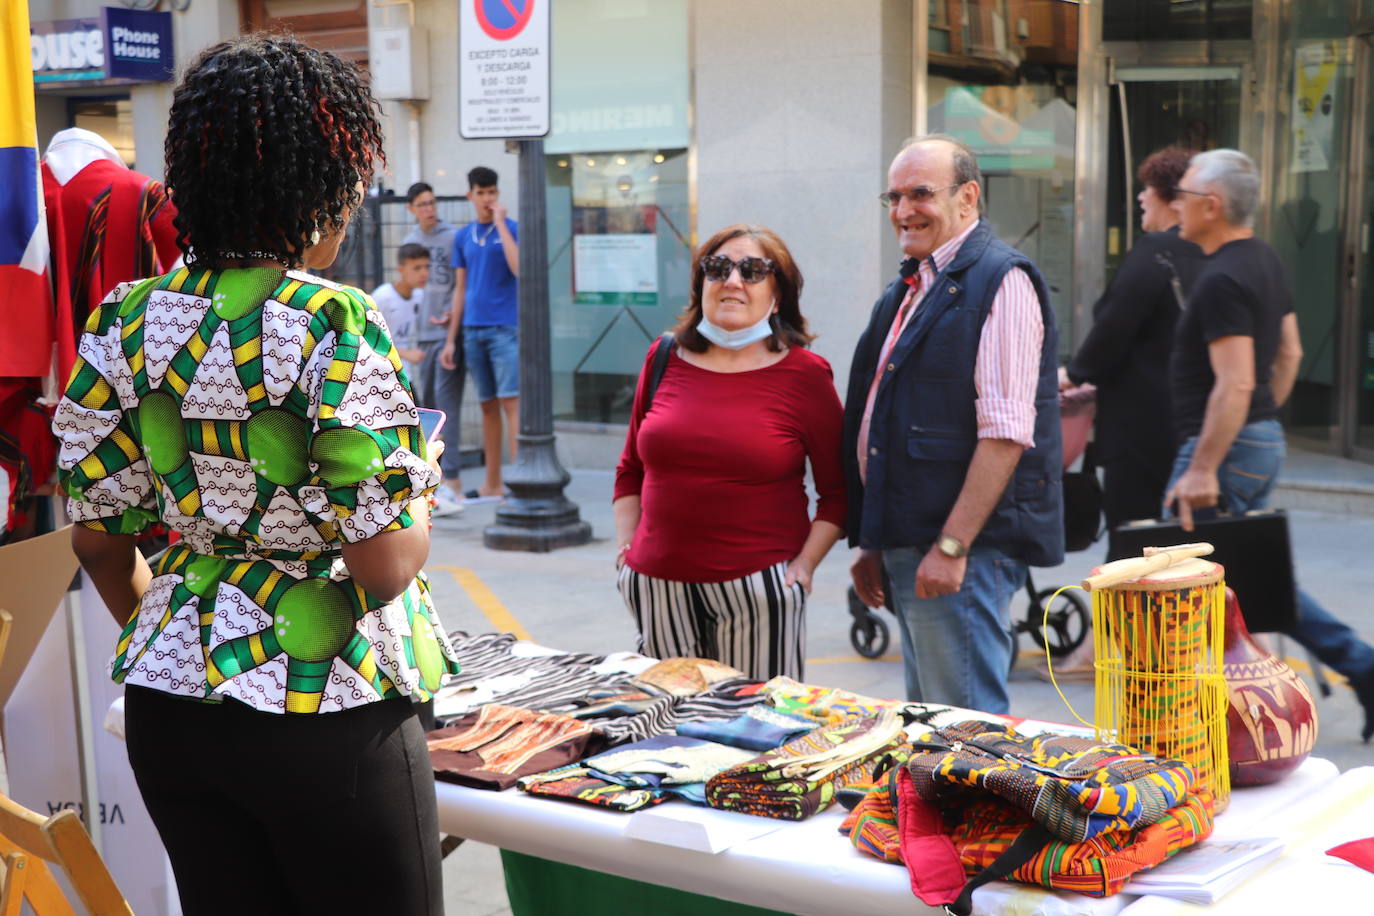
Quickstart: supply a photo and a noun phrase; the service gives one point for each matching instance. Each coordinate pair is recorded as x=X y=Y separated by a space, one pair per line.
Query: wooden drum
x=1158 y=636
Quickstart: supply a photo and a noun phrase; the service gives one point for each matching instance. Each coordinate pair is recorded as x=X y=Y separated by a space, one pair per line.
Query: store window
x=619 y=205
x=1309 y=205
x=1003 y=79
x=1172 y=20
x=113 y=119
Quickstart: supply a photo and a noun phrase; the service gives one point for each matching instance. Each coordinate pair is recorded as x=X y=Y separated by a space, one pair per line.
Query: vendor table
x=807 y=868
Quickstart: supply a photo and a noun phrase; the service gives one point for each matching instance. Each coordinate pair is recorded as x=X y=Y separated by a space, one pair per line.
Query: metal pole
x=536 y=516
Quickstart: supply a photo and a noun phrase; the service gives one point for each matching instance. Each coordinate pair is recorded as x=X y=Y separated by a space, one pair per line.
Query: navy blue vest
x=923 y=430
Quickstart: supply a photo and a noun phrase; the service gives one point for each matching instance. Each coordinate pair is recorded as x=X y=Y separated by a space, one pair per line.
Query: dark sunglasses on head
x=1177 y=190
x=718 y=267
x=921 y=194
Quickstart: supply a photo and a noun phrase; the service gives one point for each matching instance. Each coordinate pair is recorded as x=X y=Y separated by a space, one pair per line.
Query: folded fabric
x=824 y=705
x=759 y=729
x=1356 y=852
x=665 y=760
x=493 y=746
x=576 y=783
x=724 y=700
x=683 y=677
x=802 y=777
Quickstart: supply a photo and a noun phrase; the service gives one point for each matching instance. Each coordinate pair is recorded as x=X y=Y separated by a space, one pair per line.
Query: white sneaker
x=445 y=503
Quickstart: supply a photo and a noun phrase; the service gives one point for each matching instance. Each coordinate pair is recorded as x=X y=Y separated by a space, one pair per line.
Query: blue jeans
x=957 y=649
x=493 y=357
x=1247 y=479
x=442 y=389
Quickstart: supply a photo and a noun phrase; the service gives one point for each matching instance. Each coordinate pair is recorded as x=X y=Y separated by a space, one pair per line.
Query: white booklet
x=1208 y=871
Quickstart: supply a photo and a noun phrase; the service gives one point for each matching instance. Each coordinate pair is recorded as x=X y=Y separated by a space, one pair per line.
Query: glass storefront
x=1007 y=85
x=619 y=205
x=1177 y=20
x=619 y=269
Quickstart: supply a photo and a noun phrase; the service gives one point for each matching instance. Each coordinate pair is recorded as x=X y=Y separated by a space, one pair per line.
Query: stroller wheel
x=868 y=633
x=1067 y=624
x=870 y=637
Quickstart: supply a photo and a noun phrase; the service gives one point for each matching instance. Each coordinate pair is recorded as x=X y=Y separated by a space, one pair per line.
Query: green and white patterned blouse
x=264 y=416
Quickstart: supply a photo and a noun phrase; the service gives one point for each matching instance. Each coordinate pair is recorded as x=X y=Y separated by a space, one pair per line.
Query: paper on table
x=1208 y=871
x=699 y=829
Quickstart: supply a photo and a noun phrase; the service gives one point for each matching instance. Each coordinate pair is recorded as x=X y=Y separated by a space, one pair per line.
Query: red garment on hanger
x=108 y=224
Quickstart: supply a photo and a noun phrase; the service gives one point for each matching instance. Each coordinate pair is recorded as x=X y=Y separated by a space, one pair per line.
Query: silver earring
x=315 y=237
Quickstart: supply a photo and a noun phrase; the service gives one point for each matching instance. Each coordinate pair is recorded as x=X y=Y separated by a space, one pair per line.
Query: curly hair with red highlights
x=1163 y=169
x=268 y=141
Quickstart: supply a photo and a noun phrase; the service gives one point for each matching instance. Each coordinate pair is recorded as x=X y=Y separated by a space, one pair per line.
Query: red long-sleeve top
x=719 y=466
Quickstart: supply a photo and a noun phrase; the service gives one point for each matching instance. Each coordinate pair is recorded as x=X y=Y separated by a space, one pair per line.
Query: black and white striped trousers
x=754 y=623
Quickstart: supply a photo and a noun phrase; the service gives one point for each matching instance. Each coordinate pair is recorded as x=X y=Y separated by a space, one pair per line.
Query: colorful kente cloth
x=263 y=416
x=494 y=746
x=826 y=705
x=802 y=777
x=1076 y=787
x=759 y=729
x=577 y=783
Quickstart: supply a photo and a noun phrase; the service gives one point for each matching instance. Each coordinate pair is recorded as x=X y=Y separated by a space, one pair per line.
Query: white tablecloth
x=808 y=868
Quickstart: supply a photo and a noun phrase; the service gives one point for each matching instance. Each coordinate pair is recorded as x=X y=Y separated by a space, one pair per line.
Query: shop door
x=1153 y=107
x=1359 y=350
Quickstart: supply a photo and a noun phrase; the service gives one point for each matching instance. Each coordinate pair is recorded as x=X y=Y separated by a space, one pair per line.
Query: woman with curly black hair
x=271 y=657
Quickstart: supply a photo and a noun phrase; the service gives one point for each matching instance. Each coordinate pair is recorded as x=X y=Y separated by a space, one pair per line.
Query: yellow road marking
x=485 y=599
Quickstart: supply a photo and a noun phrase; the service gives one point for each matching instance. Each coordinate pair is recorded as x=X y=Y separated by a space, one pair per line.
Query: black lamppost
x=536 y=516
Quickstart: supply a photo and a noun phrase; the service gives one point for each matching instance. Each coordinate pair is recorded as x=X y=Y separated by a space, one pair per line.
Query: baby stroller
x=1067 y=624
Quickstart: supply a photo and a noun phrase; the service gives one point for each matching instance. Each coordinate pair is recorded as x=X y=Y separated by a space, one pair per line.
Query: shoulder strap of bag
x=662 y=349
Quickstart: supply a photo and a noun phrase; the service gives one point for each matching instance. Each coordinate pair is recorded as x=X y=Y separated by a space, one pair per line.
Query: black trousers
x=291 y=814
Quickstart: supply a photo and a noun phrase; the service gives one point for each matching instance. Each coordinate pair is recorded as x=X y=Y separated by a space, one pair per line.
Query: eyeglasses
x=718 y=268
x=425 y=204
x=920 y=194
x=1177 y=190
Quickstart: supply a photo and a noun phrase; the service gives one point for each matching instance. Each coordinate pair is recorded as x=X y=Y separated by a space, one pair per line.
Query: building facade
x=673 y=118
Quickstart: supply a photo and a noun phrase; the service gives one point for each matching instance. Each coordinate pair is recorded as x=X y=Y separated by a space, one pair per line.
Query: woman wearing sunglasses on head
x=271 y=657
x=716 y=548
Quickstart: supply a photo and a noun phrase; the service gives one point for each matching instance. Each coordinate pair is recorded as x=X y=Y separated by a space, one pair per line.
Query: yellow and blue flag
x=25 y=297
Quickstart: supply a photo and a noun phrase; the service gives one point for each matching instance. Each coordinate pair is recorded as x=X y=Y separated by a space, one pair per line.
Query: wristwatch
x=951 y=546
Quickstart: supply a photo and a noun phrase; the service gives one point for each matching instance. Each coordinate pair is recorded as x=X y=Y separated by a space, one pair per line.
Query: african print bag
x=803 y=776
x=983 y=801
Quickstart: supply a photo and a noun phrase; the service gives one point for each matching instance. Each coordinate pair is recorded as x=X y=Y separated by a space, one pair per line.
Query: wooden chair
x=29 y=841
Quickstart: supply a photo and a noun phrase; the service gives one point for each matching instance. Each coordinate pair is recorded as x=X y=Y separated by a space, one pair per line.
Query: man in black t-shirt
x=1235 y=359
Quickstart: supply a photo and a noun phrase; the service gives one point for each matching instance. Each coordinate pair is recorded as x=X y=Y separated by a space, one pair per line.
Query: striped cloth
x=801 y=777
x=612 y=702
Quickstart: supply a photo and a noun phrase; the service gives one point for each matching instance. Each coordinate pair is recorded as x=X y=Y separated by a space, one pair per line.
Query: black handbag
x=1254 y=548
x=1082 y=505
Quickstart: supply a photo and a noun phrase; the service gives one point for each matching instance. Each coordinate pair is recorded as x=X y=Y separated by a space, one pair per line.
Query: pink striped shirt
x=1007 y=370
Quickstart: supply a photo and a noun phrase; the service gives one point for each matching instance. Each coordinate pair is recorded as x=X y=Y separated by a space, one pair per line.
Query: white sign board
x=619 y=269
x=503 y=68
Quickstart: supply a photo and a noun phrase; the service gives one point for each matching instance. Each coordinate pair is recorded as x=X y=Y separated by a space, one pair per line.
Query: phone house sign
x=122 y=44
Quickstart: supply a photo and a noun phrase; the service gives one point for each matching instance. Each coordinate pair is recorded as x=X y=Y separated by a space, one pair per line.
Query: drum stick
x=1155 y=559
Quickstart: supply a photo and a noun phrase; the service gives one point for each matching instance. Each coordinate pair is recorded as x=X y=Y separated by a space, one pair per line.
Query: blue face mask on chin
x=738 y=339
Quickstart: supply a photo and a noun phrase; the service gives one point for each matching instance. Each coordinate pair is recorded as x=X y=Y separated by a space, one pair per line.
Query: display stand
x=56 y=672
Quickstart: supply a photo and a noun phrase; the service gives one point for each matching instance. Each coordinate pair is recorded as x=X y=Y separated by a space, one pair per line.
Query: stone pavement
x=567 y=599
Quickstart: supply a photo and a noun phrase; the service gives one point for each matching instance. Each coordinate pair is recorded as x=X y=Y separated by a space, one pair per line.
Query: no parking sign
x=503 y=68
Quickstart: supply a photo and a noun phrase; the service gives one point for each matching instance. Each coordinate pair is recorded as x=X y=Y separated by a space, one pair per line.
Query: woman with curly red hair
x=271 y=657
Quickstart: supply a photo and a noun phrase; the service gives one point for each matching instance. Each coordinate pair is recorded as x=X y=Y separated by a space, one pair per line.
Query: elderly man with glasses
x=952 y=442
x=1235 y=359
